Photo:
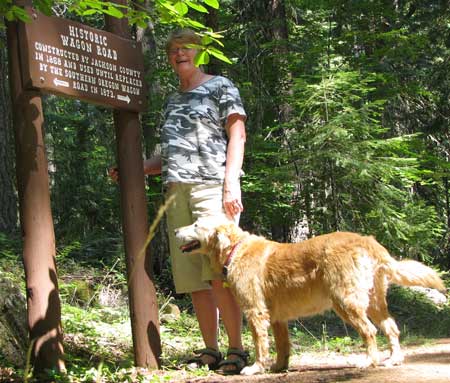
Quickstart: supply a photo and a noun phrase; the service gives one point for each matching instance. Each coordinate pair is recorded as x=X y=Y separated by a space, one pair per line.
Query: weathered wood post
x=81 y=62
x=44 y=309
x=142 y=293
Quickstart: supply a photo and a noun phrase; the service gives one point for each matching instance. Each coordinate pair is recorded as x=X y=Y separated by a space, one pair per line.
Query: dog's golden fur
x=275 y=282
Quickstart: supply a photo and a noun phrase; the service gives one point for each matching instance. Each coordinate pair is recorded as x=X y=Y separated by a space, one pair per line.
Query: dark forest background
x=348 y=129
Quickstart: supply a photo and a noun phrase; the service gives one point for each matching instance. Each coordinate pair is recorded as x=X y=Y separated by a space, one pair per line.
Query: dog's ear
x=222 y=239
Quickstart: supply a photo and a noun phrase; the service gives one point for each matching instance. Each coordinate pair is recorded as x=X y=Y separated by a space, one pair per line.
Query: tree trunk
x=151 y=121
x=295 y=229
x=8 y=200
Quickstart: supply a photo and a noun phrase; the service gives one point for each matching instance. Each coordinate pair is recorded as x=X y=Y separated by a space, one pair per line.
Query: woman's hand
x=152 y=166
x=114 y=173
x=232 y=202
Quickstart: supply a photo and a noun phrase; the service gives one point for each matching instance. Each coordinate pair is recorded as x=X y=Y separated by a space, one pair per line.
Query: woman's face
x=182 y=59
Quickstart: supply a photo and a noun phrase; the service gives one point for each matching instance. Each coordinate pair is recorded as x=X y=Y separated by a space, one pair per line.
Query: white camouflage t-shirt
x=193 y=137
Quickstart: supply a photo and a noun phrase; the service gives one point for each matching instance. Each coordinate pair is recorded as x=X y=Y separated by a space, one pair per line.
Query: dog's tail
x=413 y=273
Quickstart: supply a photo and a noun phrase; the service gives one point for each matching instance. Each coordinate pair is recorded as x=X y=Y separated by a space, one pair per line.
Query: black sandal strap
x=209 y=351
x=240 y=353
x=239 y=363
x=217 y=355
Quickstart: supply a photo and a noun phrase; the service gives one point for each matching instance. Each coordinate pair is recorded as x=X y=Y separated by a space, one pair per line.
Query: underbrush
x=98 y=340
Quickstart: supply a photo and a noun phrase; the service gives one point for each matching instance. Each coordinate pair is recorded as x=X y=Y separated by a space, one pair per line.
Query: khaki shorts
x=191 y=272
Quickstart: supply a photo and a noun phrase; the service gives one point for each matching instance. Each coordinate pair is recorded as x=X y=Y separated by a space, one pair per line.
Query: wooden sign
x=68 y=58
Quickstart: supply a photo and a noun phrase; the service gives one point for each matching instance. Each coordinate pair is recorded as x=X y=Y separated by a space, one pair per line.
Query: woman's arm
x=152 y=166
x=235 y=128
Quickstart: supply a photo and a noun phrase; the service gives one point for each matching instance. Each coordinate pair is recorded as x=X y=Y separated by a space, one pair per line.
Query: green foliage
x=414 y=312
x=170 y=12
x=360 y=177
x=77 y=292
x=13 y=12
x=352 y=152
x=80 y=139
x=10 y=258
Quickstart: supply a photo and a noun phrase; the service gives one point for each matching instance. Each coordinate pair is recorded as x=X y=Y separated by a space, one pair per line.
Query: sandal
x=238 y=363
x=197 y=359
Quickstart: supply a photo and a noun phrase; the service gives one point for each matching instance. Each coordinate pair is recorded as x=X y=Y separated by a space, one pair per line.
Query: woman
x=203 y=140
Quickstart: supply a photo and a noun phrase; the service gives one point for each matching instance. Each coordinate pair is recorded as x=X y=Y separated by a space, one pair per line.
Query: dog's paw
x=252 y=370
x=393 y=360
x=365 y=362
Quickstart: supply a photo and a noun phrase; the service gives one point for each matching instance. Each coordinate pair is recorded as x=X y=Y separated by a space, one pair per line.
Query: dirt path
x=430 y=364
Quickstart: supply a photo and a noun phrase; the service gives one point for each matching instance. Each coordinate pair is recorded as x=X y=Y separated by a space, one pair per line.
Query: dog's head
x=211 y=236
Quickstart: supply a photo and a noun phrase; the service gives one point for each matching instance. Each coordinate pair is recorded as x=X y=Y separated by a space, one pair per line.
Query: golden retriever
x=275 y=282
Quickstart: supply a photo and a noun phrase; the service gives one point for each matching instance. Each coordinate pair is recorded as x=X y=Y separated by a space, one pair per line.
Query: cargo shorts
x=191 y=272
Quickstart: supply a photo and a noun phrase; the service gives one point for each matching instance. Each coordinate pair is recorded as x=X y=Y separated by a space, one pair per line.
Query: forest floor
x=428 y=363
x=427 y=360
x=423 y=364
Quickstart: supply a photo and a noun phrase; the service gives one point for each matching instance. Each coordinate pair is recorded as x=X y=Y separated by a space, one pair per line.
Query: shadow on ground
x=430 y=364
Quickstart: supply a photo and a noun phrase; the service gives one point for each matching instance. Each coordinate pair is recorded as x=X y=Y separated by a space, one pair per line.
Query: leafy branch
x=166 y=12
x=172 y=12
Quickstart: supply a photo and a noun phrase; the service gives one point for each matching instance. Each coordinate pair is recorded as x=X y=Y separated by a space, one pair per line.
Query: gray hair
x=182 y=36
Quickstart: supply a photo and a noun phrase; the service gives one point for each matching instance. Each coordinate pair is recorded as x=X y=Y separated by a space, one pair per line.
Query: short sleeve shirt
x=193 y=137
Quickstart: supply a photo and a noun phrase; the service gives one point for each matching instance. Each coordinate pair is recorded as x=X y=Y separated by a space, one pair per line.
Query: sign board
x=68 y=58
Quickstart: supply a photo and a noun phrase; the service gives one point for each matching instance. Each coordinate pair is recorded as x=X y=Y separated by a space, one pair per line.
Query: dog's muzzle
x=191 y=246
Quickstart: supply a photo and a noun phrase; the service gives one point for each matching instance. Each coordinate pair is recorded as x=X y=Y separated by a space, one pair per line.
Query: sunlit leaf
x=195 y=24
x=216 y=53
x=91 y=4
x=89 y=12
x=212 y=3
x=206 y=40
x=181 y=7
x=201 y=58
x=17 y=13
x=168 y=6
x=114 y=12
x=197 y=7
x=194 y=46
x=141 y=23
x=215 y=35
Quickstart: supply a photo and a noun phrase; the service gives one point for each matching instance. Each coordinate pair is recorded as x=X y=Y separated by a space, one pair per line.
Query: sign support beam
x=43 y=303
x=141 y=289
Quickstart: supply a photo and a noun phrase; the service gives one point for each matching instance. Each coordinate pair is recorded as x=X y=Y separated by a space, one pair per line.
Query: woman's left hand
x=232 y=202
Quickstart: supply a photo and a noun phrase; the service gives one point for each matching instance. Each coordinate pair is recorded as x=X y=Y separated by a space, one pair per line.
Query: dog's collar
x=229 y=257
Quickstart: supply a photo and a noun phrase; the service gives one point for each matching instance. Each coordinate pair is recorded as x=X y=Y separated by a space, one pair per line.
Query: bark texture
x=13 y=324
x=8 y=199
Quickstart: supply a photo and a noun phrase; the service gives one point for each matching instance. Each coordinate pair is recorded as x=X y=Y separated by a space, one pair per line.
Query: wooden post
x=43 y=304
x=141 y=289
